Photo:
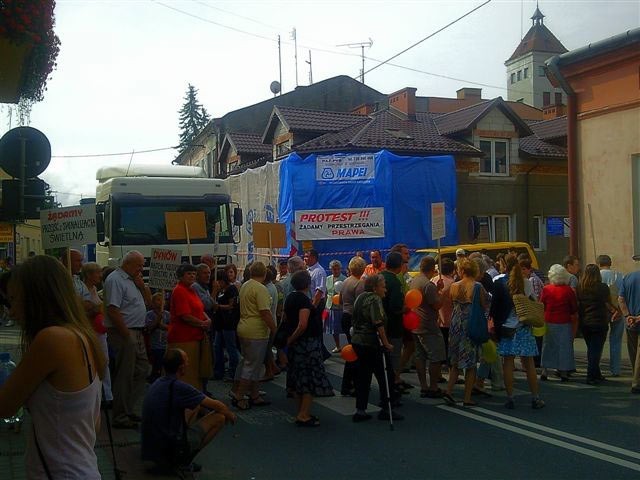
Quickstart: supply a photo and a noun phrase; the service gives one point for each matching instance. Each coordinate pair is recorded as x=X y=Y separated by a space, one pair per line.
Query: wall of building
x=531 y=89
x=606 y=144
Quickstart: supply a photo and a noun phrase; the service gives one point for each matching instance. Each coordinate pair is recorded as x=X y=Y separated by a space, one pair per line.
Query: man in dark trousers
x=393 y=303
x=171 y=409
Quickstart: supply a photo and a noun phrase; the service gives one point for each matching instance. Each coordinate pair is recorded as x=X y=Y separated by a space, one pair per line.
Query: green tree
x=193 y=118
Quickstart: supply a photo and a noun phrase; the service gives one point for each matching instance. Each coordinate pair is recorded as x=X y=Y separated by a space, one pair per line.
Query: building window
x=525 y=72
x=541 y=72
x=495 y=228
x=546 y=98
x=496 y=157
x=231 y=166
x=539 y=233
x=519 y=75
x=558 y=98
x=283 y=148
x=513 y=78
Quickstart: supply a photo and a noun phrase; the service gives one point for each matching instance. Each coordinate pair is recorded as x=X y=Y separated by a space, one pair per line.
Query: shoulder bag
x=530 y=312
x=477 y=327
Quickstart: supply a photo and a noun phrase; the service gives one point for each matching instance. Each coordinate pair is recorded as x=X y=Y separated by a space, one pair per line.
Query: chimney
x=404 y=101
x=469 y=93
x=364 y=109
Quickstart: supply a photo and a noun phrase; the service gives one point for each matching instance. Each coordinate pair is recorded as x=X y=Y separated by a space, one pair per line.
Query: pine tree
x=193 y=118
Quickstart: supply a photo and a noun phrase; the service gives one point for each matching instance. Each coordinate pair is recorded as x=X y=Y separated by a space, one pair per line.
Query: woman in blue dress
x=516 y=338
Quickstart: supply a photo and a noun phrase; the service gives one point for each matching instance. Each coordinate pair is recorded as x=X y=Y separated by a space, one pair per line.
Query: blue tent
x=403 y=186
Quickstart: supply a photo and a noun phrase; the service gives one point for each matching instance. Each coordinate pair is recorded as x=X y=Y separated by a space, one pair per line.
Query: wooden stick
x=186 y=231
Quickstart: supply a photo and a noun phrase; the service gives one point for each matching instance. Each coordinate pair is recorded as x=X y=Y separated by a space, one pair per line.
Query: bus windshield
x=141 y=221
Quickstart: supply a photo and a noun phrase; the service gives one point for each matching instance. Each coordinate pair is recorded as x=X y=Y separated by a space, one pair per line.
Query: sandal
x=311 y=422
x=479 y=391
x=469 y=404
x=448 y=399
x=241 y=404
x=259 y=402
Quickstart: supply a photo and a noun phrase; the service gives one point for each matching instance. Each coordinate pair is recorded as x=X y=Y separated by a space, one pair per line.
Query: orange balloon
x=413 y=298
x=336 y=299
x=348 y=353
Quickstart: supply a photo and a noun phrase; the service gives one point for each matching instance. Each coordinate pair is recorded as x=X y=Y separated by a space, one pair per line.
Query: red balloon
x=411 y=320
x=413 y=298
x=348 y=353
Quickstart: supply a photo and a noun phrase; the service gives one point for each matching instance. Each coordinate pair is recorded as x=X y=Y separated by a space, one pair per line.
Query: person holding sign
x=188 y=326
x=126 y=297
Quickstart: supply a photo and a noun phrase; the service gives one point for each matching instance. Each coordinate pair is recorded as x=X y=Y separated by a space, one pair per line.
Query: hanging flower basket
x=14 y=58
x=31 y=46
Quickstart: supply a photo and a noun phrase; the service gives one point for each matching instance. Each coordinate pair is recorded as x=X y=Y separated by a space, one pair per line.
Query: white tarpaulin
x=340 y=224
x=257 y=191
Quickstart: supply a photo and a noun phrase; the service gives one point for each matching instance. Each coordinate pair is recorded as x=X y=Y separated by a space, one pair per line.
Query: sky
x=124 y=66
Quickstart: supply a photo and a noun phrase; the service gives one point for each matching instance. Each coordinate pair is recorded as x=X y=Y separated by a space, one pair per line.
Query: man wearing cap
x=629 y=302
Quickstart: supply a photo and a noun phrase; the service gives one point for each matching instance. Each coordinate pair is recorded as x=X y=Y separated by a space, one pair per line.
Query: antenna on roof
x=361 y=46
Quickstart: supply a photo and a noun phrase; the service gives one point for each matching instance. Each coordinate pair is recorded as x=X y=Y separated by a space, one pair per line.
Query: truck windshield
x=142 y=221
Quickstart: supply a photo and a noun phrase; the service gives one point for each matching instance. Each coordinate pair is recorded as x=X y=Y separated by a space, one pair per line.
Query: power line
x=222 y=25
x=114 y=154
x=238 y=15
x=428 y=36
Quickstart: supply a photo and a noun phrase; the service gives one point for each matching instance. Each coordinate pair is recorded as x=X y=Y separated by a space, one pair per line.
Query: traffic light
x=24 y=154
x=34 y=194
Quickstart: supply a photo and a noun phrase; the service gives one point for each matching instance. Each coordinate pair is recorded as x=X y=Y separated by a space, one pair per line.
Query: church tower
x=526 y=80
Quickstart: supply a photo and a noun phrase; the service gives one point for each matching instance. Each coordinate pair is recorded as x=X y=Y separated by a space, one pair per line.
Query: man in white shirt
x=318 y=277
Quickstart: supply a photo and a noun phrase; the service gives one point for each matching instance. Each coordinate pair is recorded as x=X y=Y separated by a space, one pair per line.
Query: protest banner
x=162 y=268
x=69 y=226
x=345 y=223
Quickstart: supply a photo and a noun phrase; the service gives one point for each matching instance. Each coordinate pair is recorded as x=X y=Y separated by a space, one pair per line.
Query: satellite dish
x=37 y=152
x=275 y=87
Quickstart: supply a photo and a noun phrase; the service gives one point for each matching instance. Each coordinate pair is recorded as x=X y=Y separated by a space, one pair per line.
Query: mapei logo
x=353 y=172
x=327 y=173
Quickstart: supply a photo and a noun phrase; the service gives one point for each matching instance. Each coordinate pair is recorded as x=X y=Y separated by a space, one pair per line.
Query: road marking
x=542 y=438
x=342 y=405
x=560 y=433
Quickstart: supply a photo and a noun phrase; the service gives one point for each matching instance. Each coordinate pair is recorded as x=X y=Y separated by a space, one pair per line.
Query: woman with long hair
x=516 y=338
x=594 y=310
x=463 y=353
x=59 y=376
x=560 y=310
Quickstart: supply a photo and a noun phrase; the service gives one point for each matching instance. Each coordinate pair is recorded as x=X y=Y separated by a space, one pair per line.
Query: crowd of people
x=273 y=322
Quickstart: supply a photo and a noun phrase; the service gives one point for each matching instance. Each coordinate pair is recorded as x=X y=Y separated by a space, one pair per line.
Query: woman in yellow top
x=256 y=325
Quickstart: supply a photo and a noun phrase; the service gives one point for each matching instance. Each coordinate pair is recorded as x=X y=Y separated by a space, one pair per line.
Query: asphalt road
x=583 y=432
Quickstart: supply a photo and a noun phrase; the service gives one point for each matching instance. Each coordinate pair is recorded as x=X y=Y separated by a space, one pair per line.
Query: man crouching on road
x=170 y=411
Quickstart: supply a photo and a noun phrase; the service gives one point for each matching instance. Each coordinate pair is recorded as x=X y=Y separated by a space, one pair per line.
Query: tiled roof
x=389 y=131
x=550 y=129
x=539 y=39
x=535 y=147
x=465 y=118
x=301 y=119
x=249 y=143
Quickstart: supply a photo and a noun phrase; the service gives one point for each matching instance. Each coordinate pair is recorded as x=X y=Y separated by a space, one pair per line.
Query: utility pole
x=280 y=63
x=361 y=46
x=295 y=46
x=310 y=69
